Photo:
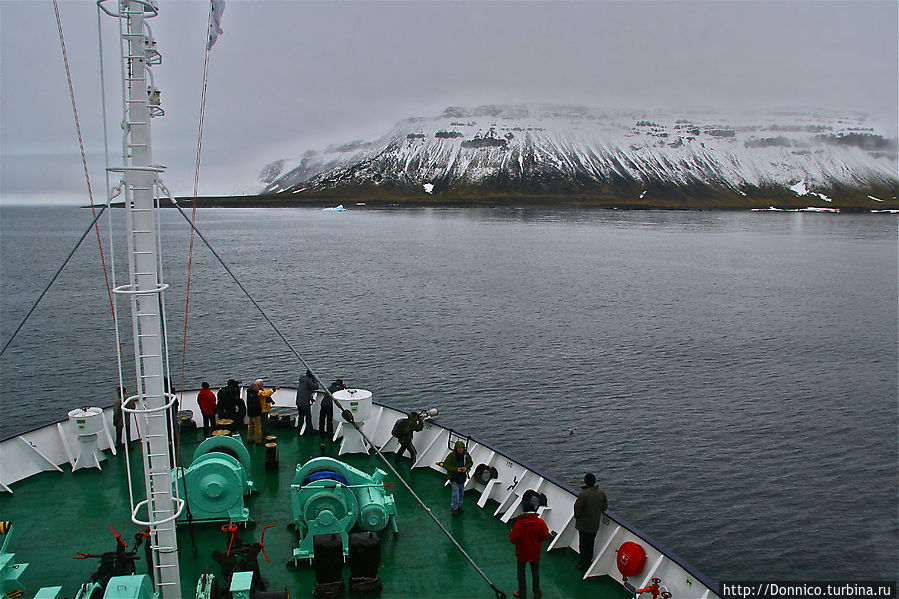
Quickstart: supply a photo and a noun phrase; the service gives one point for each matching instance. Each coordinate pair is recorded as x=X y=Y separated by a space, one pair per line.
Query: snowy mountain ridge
x=536 y=150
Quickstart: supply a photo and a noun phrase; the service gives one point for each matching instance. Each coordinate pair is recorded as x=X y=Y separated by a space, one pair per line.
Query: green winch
x=217 y=480
x=135 y=586
x=331 y=497
x=10 y=571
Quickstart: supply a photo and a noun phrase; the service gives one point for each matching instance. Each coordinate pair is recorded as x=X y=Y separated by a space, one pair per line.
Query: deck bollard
x=227 y=423
x=271 y=454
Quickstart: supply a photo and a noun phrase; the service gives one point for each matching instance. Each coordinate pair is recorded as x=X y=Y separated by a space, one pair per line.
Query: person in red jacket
x=206 y=399
x=528 y=533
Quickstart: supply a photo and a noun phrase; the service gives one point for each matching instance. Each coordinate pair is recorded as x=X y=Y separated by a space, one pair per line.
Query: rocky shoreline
x=882 y=198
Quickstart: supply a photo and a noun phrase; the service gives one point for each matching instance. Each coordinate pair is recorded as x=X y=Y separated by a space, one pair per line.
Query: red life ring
x=631 y=559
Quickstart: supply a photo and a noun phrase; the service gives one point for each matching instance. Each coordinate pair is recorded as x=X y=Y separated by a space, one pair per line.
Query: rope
x=65 y=59
x=190 y=262
x=90 y=193
x=115 y=315
x=47 y=288
x=346 y=414
x=193 y=216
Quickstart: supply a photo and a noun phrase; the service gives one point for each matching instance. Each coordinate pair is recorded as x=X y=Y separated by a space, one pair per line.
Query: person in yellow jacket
x=265 y=404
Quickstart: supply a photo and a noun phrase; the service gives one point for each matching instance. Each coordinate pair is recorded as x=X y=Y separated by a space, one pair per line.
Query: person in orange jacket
x=528 y=534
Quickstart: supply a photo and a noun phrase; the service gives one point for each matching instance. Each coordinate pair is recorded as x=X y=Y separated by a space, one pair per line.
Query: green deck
x=56 y=515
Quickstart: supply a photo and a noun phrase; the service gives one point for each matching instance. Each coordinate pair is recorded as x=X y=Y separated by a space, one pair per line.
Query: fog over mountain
x=287 y=77
x=617 y=156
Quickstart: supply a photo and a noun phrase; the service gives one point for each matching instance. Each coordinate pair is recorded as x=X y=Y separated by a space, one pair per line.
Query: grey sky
x=291 y=76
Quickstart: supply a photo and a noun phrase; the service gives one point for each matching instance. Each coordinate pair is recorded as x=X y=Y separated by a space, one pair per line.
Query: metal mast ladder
x=153 y=402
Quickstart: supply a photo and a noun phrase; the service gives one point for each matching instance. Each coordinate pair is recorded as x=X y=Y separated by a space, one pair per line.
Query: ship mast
x=153 y=401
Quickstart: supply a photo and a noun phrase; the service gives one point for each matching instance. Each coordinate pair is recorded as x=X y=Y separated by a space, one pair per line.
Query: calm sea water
x=731 y=378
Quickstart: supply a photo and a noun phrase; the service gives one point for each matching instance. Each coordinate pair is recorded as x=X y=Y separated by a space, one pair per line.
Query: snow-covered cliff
x=530 y=150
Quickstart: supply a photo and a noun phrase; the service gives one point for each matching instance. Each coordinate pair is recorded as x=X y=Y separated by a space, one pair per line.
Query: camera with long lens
x=425 y=414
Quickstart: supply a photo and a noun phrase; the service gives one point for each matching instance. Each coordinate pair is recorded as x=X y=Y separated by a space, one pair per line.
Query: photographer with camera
x=403 y=430
x=306 y=385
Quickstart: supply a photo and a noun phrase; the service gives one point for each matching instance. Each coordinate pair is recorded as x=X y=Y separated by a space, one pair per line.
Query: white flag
x=217 y=7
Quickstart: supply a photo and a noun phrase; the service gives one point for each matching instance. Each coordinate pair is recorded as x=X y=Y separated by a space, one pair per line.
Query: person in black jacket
x=306 y=385
x=227 y=401
x=326 y=409
x=121 y=419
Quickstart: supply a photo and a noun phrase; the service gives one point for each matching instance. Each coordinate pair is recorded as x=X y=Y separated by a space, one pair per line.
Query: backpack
x=400 y=427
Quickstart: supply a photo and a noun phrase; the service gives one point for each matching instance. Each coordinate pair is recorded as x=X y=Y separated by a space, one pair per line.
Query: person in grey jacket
x=588 y=509
x=305 y=387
